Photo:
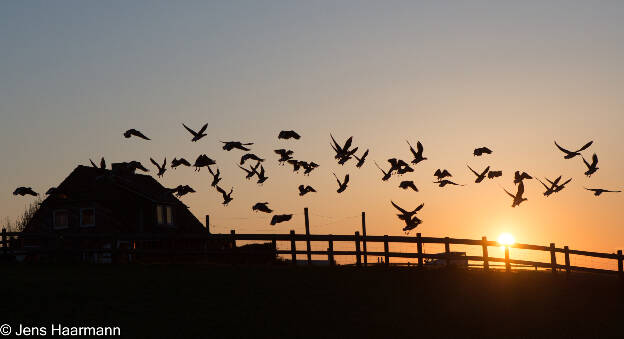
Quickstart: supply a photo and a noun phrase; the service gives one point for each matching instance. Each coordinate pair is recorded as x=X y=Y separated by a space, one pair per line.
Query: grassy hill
x=188 y=301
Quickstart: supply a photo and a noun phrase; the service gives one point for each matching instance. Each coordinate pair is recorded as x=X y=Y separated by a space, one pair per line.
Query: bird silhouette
x=177 y=162
x=494 y=174
x=408 y=184
x=203 y=161
x=199 y=134
x=343 y=154
x=250 y=156
x=182 y=190
x=261 y=176
x=285 y=155
x=227 y=197
x=278 y=218
x=570 y=154
x=342 y=185
x=25 y=191
x=519 y=177
x=445 y=182
x=308 y=167
x=386 y=175
x=418 y=155
x=442 y=174
x=296 y=164
x=593 y=167
x=250 y=172
x=361 y=160
x=549 y=190
x=303 y=190
x=216 y=176
x=161 y=168
x=403 y=167
x=288 y=135
x=406 y=215
x=135 y=165
x=411 y=224
x=481 y=150
x=134 y=132
x=230 y=145
x=517 y=198
x=599 y=191
x=262 y=207
x=554 y=183
x=481 y=176
x=562 y=186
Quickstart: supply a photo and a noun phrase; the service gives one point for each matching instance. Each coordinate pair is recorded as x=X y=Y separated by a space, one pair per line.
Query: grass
x=191 y=301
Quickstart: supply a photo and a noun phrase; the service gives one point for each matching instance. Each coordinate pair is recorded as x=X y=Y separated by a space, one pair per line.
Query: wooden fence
x=360 y=242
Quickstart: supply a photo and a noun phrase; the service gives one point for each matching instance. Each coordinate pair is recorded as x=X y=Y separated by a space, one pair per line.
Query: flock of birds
x=343 y=153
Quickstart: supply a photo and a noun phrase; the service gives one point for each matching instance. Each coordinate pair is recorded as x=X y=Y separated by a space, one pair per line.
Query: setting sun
x=506 y=239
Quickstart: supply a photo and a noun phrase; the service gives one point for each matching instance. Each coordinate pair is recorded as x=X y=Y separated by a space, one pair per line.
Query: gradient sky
x=512 y=76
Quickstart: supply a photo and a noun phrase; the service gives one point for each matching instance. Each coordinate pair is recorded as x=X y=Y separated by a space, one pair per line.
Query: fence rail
x=361 y=253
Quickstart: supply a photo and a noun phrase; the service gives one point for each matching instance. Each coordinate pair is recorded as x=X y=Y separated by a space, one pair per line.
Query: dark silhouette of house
x=118 y=201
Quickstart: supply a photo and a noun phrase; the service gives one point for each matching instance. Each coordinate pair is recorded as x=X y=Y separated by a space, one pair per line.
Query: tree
x=23 y=220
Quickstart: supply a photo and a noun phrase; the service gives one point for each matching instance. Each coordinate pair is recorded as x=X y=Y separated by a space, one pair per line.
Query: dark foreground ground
x=195 y=301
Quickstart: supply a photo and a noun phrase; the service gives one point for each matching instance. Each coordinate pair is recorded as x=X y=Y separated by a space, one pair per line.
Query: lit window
x=61 y=219
x=164 y=215
x=87 y=217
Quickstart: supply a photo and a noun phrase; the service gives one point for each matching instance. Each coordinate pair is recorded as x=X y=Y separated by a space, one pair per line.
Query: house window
x=164 y=215
x=60 y=219
x=87 y=217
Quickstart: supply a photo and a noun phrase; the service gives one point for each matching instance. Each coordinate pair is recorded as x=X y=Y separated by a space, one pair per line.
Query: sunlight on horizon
x=506 y=239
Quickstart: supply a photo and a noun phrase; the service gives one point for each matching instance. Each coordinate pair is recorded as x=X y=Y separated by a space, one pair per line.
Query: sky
x=512 y=76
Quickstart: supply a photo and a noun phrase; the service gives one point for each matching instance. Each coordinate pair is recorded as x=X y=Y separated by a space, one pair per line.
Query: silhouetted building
x=100 y=201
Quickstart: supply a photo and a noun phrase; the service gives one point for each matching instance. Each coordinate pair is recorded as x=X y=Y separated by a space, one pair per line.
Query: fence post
x=208 y=223
x=358 y=254
x=330 y=250
x=386 y=254
x=293 y=247
x=233 y=233
x=364 y=239
x=567 y=259
x=419 y=248
x=507 y=263
x=274 y=246
x=620 y=264
x=486 y=262
x=307 y=230
x=447 y=250
x=553 y=258
x=5 y=249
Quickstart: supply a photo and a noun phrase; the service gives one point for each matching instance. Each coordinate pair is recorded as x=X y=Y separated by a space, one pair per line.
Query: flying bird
x=593 y=167
x=549 y=190
x=518 y=177
x=406 y=215
x=343 y=153
x=249 y=156
x=135 y=165
x=25 y=191
x=262 y=207
x=227 y=197
x=411 y=224
x=342 y=185
x=177 y=162
x=278 y=218
x=285 y=155
x=161 y=168
x=230 y=145
x=182 y=190
x=481 y=150
x=288 y=135
x=445 y=182
x=408 y=184
x=386 y=175
x=308 y=167
x=361 y=160
x=303 y=190
x=216 y=177
x=199 y=134
x=203 y=161
x=261 y=176
x=599 y=191
x=442 y=174
x=494 y=174
x=250 y=172
x=570 y=154
x=133 y=132
x=517 y=198
x=481 y=176
x=562 y=186
x=418 y=155
x=102 y=164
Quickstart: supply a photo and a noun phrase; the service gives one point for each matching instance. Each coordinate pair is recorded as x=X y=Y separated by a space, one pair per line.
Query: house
x=100 y=201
